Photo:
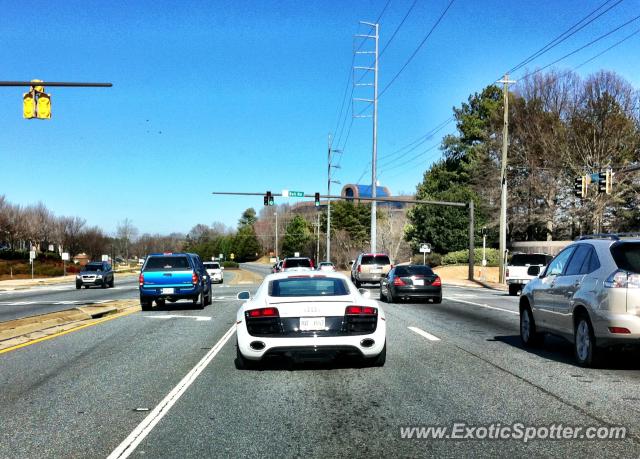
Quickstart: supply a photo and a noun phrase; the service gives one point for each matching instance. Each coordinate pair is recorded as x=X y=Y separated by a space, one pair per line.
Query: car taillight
x=506 y=273
x=398 y=282
x=366 y=310
x=141 y=279
x=263 y=312
x=194 y=278
x=621 y=330
x=311 y=263
x=622 y=279
x=437 y=282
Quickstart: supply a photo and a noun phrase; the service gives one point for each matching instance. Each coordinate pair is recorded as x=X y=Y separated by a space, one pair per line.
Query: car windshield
x=297 y=263
x=375 y=260
x=93 y=268
x=409 y=271
x=308 y=286
x=627 y=256
x=170 y=263
x=524 y=259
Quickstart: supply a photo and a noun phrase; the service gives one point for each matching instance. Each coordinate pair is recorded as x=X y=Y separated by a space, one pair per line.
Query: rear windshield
x=211 y=265
x=297 y=263
x=93 y=268
x=375 y=260
x=524 y=259
x=170 y=263
x=627 y=256
x=308 y=286
x=414 y=271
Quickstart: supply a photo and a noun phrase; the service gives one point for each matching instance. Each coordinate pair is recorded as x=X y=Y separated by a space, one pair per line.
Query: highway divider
x=20 y=332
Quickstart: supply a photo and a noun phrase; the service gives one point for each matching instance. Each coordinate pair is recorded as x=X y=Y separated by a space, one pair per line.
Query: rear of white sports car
x=310 y=316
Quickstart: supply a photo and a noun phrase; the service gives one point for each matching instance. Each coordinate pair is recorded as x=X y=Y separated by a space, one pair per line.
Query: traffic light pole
x=468 y=205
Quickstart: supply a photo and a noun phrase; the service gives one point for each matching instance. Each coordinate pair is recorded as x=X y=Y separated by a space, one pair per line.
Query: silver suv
x=370 y=267
x=588 y=294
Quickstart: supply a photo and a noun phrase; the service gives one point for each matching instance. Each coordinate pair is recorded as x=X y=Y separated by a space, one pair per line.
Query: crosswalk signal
x=580 y=187
x=317 y=198
x=28 y=105
x=43 y=107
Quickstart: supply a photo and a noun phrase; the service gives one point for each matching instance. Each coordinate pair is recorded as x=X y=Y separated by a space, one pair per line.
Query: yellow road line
x=64 y=332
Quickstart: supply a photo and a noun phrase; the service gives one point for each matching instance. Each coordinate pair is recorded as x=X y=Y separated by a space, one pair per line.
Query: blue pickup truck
x=173 y=277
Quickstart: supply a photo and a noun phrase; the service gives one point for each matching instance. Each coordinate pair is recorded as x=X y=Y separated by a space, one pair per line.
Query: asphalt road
x=88 y=393
x=16 y=304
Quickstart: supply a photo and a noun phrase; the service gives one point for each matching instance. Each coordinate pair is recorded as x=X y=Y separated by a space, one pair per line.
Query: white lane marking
x=482 y=305
x=16 y=303
x=130 y=443
x=421 y=332
x=177 y=316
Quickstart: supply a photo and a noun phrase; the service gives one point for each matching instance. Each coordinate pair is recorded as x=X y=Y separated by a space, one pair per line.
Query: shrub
x=462 y=257
x=230 y=264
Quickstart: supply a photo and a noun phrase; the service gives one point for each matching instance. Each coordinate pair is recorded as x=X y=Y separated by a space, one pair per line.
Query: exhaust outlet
x=257 y=345
x=367 y=342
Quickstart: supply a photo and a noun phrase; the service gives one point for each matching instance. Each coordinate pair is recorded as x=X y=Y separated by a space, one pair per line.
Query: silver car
x=589 y=294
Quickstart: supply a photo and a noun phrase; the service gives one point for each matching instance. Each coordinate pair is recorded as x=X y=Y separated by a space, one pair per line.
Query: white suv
x=215 y=271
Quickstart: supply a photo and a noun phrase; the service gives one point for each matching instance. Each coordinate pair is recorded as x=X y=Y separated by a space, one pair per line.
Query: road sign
x=220 y=256
x=65 y=256
x=50 y=247
x=32 y=255
x=105 y=257
x=232 y=256
x=296 y=254
x=425 y=248
x=296 y=194
x=285 y=193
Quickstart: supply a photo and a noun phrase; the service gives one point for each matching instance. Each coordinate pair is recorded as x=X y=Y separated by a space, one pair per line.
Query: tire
x=529 y=335
x=160 y=302
x=105 y=284
x=199 y=302
x=585 y=342
x=437 y=300
x=78 y=286
x=358 y=283
x=514 y=289
x=210 y=298
x=390 y=297
x=112 y=283
x=379 y=360
x=242 y=363
x=383 y=297
x=146 y=305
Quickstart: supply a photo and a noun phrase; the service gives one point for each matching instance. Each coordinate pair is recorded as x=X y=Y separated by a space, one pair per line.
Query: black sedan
x=411 y=282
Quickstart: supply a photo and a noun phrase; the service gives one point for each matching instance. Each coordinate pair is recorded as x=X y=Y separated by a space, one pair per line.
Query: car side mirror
x=365 y=293
x=221 y=268
x=352 y=262
x=533 y=271
x=243 y=295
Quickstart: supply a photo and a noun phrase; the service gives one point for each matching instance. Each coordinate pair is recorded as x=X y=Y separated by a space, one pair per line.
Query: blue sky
x=241 y=95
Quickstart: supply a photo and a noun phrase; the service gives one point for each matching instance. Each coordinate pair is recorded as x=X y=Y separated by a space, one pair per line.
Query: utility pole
x=503 y=179
x=275 y=210
x=318 y=240
x=374 y=102
x=330 y=167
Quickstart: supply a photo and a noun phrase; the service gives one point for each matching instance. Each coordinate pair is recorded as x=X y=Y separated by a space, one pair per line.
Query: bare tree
x=126 y=234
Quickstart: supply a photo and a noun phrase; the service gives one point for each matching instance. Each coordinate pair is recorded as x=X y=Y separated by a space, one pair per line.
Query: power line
x=393 y=35
x=431 y=148
x=619 y=42
x=566 y=34
x=582 y=47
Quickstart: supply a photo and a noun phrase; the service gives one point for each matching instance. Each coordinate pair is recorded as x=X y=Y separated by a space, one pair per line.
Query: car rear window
x=523 y=259
x=308 y=286
x=627 y=256
x=297 y=263
x=375 y=260
x=414 y=271
x=211 y=265
x=171 y=263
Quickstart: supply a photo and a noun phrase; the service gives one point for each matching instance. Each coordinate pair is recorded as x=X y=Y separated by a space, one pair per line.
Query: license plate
x=418 y=282
x=167 y=291
x=311 y=323
x=376 y=271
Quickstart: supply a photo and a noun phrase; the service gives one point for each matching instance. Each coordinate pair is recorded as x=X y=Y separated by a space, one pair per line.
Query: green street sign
x=296 y=194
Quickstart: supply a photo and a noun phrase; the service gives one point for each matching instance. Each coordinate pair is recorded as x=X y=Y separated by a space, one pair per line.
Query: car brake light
x=622 y=279
x=263 y=312
x=506 y=273
x=367 y=310
x=311 y=262
x=141 y=279
x=359 y=268
x=398 y=282
x=619 y=330
x=437 y=282
x=194 y=278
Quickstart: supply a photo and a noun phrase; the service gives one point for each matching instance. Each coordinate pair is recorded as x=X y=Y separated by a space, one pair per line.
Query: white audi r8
x=307 y=315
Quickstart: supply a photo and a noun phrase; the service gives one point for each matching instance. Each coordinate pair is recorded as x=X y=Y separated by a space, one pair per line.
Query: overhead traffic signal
x=268 y=199
x=580 y=187
x=28 y=105
x=317 y=199
x=44 y=106
x=605 y=180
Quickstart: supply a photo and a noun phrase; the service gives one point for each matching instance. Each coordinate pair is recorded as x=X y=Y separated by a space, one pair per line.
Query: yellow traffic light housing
x=28 y=105
x=608 y=181
x=44 y=106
